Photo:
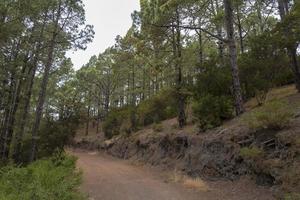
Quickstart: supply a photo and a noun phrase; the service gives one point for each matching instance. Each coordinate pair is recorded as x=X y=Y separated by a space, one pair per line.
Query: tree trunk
x=240 y=30
x=219 y=33
x=14 y=92
x=178 y=54
x=259 y=15
x=7 y=112
x=24 y=115
x=88 y=120
x=133 y=95
x=200 y=48
x=44 y=84
x=14 y=108
x=98 y=117
x=237 y=91
x=41 y=99
x=27 y=98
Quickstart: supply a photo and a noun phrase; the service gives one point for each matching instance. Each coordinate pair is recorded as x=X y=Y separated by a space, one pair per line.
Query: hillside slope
x=216 y=154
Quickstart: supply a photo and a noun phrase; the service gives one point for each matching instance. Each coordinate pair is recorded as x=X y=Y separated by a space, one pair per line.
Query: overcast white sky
x=110 y=18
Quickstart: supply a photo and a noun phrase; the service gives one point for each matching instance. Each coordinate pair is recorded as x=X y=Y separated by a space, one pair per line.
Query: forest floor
x=108 y=178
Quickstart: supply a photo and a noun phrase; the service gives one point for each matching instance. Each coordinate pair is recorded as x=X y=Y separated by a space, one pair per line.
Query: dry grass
x=196 y=183
x=274 y=94
x=192 y=183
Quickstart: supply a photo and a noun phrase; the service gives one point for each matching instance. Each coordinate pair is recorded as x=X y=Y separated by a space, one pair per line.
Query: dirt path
x=107 y=178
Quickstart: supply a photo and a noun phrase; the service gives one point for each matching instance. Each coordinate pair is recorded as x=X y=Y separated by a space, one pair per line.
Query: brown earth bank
x=216 y=154
x=108 y=178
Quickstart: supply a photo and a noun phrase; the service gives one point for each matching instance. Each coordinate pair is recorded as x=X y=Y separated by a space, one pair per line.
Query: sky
x=110 y=18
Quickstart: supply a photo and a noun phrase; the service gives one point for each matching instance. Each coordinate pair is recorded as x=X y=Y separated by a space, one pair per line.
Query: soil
x=108 y=178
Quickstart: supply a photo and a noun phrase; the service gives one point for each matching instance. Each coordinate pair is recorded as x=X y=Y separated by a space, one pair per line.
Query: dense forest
x=195 y=60
x=205 y=56
x=183 y=57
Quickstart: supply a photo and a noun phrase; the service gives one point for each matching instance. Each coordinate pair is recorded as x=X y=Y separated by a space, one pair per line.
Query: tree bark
x=13 y=99
x=24 y=115
x=27 y=98
x=88 y=120
x=178 y=58
x=12 y=118
x=237 y=91
x=44 y=84
x=41 y=100
x=240 y=30
x=219 y=33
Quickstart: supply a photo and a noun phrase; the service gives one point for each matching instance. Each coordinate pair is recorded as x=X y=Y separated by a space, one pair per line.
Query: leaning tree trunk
x=237 y=91
x=44 y=84
x=41 y=99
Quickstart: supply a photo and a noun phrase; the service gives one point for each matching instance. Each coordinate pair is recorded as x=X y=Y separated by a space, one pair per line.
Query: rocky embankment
x=271 y=158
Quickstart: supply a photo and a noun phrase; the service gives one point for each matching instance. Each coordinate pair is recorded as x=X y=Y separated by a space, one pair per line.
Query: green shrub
x=274 y=115
x=53 y=136
x=153 y=110
x=157 y=128
x=263 y=67
x=251 y=153
x=158 y=108
x=292 y=196
x=210 y=111
x=55 y=178
x=119 y=120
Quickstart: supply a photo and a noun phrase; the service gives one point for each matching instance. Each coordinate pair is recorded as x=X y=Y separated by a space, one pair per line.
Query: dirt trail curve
x=107 y=178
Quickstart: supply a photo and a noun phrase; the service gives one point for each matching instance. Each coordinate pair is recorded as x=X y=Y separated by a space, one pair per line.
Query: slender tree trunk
x=98 y=116
x=7 y=112
x=133 y=87
x=44 y=84
x=240 y=30
x=144 y=85
x=259 y=15
x=14 y=108
x=25 y=111
x=88 y=120
x=178 y=59
x=41 y=99
x=216 y=10
x=200 y=48
x=237 y=91
x=14 y=91
x=27 y=97
x=24 y=115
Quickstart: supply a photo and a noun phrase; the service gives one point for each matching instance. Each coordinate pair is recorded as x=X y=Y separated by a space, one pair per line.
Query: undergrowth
x=54 y=178
x=275 y=115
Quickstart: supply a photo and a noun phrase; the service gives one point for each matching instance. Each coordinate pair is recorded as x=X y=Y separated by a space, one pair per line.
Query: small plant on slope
x=275 y=115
